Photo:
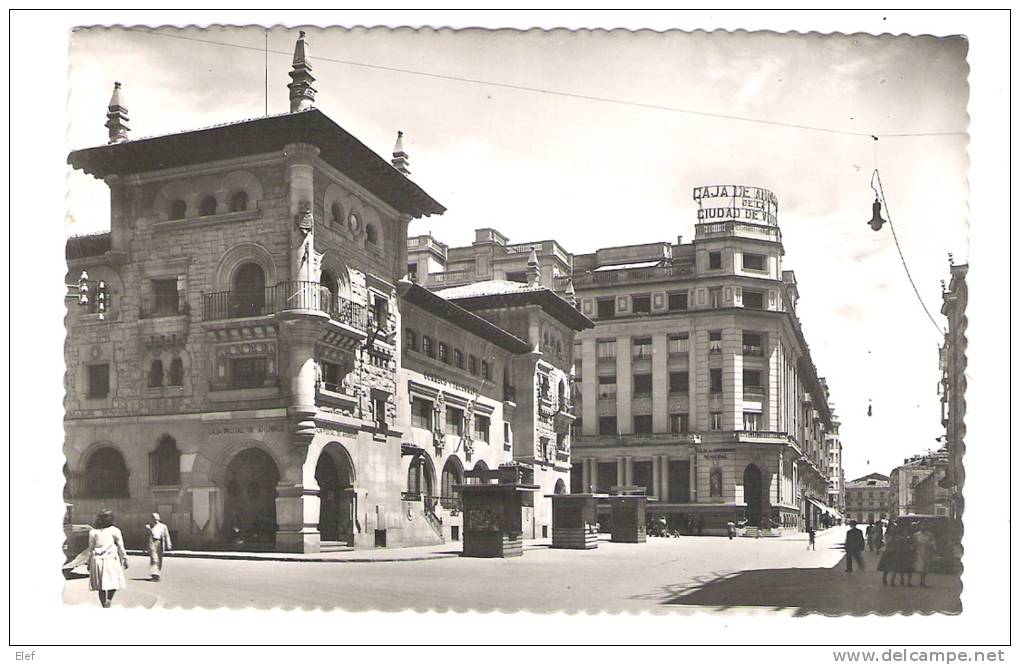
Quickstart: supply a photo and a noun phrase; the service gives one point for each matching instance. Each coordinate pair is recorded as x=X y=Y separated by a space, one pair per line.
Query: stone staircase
x=753 y=532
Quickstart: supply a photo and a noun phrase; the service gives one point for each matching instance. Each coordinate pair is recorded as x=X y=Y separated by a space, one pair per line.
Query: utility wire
x=876 y=177
x=559 y=93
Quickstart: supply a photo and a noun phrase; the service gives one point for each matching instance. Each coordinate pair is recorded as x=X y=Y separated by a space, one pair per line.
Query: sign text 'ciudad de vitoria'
x=745 y=203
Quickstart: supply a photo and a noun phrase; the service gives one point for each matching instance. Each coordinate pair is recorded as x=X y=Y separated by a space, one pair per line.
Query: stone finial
x=571 y=295
x=400 y=161
x=302 y=94
x=534 y=272
x=117 y=116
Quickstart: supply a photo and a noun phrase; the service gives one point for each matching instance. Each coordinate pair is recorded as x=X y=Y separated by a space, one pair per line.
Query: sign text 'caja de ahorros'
x=737 y=202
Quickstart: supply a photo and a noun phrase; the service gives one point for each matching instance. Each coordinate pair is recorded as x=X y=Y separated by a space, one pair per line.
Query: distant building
x=837 y=480
x=869 y=498
x=953 y=360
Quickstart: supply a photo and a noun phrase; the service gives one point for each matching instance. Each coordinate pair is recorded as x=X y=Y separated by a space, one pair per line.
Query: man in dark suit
x=854 y=547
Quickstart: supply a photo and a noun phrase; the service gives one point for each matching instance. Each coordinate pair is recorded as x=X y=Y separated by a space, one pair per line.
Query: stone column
x=694 y=475
x=590 y=386
x=660 y=383
x=628 y=470
x=300 y=179
x=624 y=385
x=585 y=476
x=297 y=506
x=664 y=479
x=656 y=488
x=620 y=472
x=299 y=333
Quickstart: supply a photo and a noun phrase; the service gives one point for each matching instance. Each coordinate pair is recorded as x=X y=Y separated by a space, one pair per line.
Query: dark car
x=76 y=542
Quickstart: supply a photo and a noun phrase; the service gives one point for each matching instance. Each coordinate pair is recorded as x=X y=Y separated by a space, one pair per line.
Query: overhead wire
x=559 y=93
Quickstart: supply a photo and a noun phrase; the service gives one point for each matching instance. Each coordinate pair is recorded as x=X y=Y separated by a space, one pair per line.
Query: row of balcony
x=291 y=295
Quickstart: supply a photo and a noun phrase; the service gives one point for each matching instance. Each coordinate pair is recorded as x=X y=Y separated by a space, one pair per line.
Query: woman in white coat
x=107 y=558
x=159 y=542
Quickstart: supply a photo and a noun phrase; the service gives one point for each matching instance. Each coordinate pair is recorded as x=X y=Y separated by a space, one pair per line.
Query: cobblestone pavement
x=676 y=575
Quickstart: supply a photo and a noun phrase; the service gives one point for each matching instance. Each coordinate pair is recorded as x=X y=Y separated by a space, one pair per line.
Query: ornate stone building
x=696 y=381
x=953 y=360
x=234 y=350
x=869 y=498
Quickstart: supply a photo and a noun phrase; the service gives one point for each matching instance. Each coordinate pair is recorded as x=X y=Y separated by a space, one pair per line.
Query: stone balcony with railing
x=616 y=440
x=348 y=321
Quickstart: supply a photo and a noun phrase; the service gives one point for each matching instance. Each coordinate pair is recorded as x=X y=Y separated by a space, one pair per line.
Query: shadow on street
x=830 y=591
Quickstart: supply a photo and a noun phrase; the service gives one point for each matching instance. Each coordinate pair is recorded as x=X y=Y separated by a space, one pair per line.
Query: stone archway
x=561 y=487
x=753 y=488
x=334 y=474
x=249 y=487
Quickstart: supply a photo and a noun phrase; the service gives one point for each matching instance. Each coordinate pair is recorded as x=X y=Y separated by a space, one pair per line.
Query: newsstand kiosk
x=492 y=512
x=575 y=521
x=627 y=507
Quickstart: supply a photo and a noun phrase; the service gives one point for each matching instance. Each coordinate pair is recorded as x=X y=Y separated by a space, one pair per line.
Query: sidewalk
x=422 y=553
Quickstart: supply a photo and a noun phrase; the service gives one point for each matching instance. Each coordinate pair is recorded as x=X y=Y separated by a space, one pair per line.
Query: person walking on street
x=879 y=536
x=924 y=552
x=731 y=529
x=107 y=558
x=159 y=542
x=890 y=562
x=811 y=537
x=869 y=536
x=854 y=547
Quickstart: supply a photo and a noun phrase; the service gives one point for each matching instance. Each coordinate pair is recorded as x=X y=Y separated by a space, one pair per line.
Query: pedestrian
x=891 y=561
x=905 y=561
x=811 y=538
x=854 y=547
x=879 y=537
x=159 y=542
x=869 y=536
x=700 y=523
x=924 y=552
x=731 y=529
x=107 y=558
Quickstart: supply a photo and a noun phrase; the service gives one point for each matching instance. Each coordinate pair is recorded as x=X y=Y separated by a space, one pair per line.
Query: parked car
x=76 y=542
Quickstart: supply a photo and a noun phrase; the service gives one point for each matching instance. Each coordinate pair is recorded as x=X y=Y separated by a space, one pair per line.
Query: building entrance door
x=250 y=505
x=334 y=475
x=752 y=495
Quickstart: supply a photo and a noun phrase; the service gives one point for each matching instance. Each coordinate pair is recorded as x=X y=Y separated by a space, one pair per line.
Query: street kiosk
x=493 y=527
x=575 y=521
x=627 y=507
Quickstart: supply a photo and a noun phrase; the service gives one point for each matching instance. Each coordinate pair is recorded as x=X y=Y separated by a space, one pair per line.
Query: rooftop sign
x=737 y=202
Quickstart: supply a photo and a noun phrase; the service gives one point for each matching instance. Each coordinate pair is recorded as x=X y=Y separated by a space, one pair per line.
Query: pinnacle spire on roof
x=302 y=94
x=571 y=295
x=401 y=161
x=534 y=271
x=117 y=116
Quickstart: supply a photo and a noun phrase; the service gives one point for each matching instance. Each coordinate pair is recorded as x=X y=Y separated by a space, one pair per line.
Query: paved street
x=679 y=575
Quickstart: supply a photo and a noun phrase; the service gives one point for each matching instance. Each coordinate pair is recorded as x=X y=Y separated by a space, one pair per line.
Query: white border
x=38 y=152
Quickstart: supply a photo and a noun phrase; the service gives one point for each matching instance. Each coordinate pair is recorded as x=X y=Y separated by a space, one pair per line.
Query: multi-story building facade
x=905 y=479
x=235 y=358
x=696 y=382
x=837 y=479
x=868 y=499
x=953 y=360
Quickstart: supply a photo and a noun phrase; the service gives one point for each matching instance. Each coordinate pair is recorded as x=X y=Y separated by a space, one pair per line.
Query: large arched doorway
x=753 y=494
x=250 y=504
x=479 y=470
x=560 y=488
x=249 y=297
x=334 y=473
x=453 y=475
x=106 y=474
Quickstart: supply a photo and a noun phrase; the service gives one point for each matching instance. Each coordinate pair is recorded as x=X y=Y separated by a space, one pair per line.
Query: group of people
x=903 y=551
x=107 y=557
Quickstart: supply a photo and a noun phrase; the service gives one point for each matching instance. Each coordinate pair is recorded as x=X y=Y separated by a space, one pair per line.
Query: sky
x=593 y=173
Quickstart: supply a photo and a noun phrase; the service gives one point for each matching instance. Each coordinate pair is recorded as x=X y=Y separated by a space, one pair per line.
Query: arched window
x=106 y=474
x=176 y=375
x=372 y=234
x=453 y=475
x=327 y=279
x=560 y=488
x=249 y=290
x=207 y=206
x=238 y=202
x=165 y=462
x=178 y=209
x=420 y=477
x=156 y=373
x=336 y=214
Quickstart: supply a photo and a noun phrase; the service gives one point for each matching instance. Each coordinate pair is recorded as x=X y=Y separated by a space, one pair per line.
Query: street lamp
x=876 y=221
